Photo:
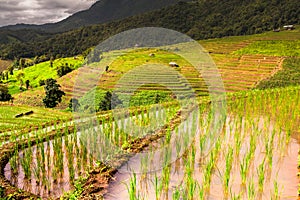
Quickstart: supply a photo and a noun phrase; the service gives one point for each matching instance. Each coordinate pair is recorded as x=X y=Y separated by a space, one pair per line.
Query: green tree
x=27 y=83
x=74 y=104
x=36 y=60
x=109 y=102
x=4 y=94
x=53 y=93
x=51 y=61
x=20 y=77
x=11 y=69
x=42 y=82
x=22 y=63
x=63 y=70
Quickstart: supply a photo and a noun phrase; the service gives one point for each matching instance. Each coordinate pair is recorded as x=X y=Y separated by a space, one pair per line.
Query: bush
x=109 y=102
x=63 y=70
x=290 y=75
x=42 y=82
x=1 y=192
x=53 y=93
x=4 y=95
x=74 y=104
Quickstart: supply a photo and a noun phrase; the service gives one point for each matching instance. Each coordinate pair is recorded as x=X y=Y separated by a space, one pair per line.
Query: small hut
x=289 y=27
x=173 y=64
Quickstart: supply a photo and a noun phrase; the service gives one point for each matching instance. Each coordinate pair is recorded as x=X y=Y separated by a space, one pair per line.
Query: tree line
x=198 y=19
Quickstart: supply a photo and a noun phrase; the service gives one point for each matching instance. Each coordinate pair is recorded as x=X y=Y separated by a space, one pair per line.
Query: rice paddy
x=172 y=148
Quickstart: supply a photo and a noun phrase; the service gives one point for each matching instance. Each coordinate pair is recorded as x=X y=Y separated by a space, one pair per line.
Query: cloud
x=39 y=11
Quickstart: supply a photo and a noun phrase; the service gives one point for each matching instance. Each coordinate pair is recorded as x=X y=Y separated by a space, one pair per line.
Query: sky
x=39 y=11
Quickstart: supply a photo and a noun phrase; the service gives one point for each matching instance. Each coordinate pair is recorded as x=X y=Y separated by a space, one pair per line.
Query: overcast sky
x=39 y=11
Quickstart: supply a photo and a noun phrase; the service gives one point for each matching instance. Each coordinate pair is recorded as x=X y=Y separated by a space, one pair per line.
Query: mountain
x=102 y=11
x=198 y=19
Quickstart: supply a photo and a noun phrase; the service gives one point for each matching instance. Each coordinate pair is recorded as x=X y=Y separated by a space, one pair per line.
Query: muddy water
x=52 y=182
x=282 y=169
x=78 y=152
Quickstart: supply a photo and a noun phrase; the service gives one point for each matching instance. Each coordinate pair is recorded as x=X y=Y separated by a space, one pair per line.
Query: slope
x=198 y=19
x=102 y=11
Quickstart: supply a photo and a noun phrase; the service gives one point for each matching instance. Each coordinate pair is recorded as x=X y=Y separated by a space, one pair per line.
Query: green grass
x=288 y=76
x=41 y=71
x=272 y=48
x=141 y=57
x=235 y=43
x=40 y=115
x=91 y=101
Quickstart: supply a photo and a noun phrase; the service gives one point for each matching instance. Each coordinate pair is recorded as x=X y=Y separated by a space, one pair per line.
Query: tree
x=11 y=69
x=4 y=94
x=53 y=93
x=42 y=82
x=109 y=102
x=51 y=61
x=27 y=83
x=22 y=63
x=63 y=70
x=20 y=77
x=36 y=60
x=74 y=104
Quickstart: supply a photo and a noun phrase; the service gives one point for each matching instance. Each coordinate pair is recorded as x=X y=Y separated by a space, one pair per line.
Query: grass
x=272 y=48
x=229 y=160
x=39 y=117
x=41 y=71
x=288 y=76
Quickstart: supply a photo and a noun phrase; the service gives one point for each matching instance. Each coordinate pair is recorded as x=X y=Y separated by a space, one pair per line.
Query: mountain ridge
x=197 y=19
x=102 y=11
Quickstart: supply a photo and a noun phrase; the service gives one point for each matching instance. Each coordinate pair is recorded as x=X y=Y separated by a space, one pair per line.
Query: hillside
x=223 y=18
x=241 y=68
x=38 y=72
x=102 y=11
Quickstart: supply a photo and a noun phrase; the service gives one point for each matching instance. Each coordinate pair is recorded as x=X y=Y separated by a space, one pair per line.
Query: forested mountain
x=198 y=19
x=102 y=11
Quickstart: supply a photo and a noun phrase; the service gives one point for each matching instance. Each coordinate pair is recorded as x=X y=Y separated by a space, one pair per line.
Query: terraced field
x=251 y=156
x=241 y=68
x=39 y=116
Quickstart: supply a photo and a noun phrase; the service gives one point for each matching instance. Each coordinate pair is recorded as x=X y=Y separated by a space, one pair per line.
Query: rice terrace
x=141 y=120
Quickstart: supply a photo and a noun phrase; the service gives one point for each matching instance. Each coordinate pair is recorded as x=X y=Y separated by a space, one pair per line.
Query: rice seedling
x=166 y=178
x=251 y=190
x=261 y=176
x=201 y=192
x=275 y=195
x=176 y=194
x=202 y=143
x=208 y=170
x=244 y=166
x=132 y=188
x=191 y=186
x=228 y=166
x=158 y=187
x=235 y=196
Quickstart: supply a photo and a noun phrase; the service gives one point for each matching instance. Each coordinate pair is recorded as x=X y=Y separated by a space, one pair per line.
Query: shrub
x=63 y=70
x=53 y=93
x=4 y=94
